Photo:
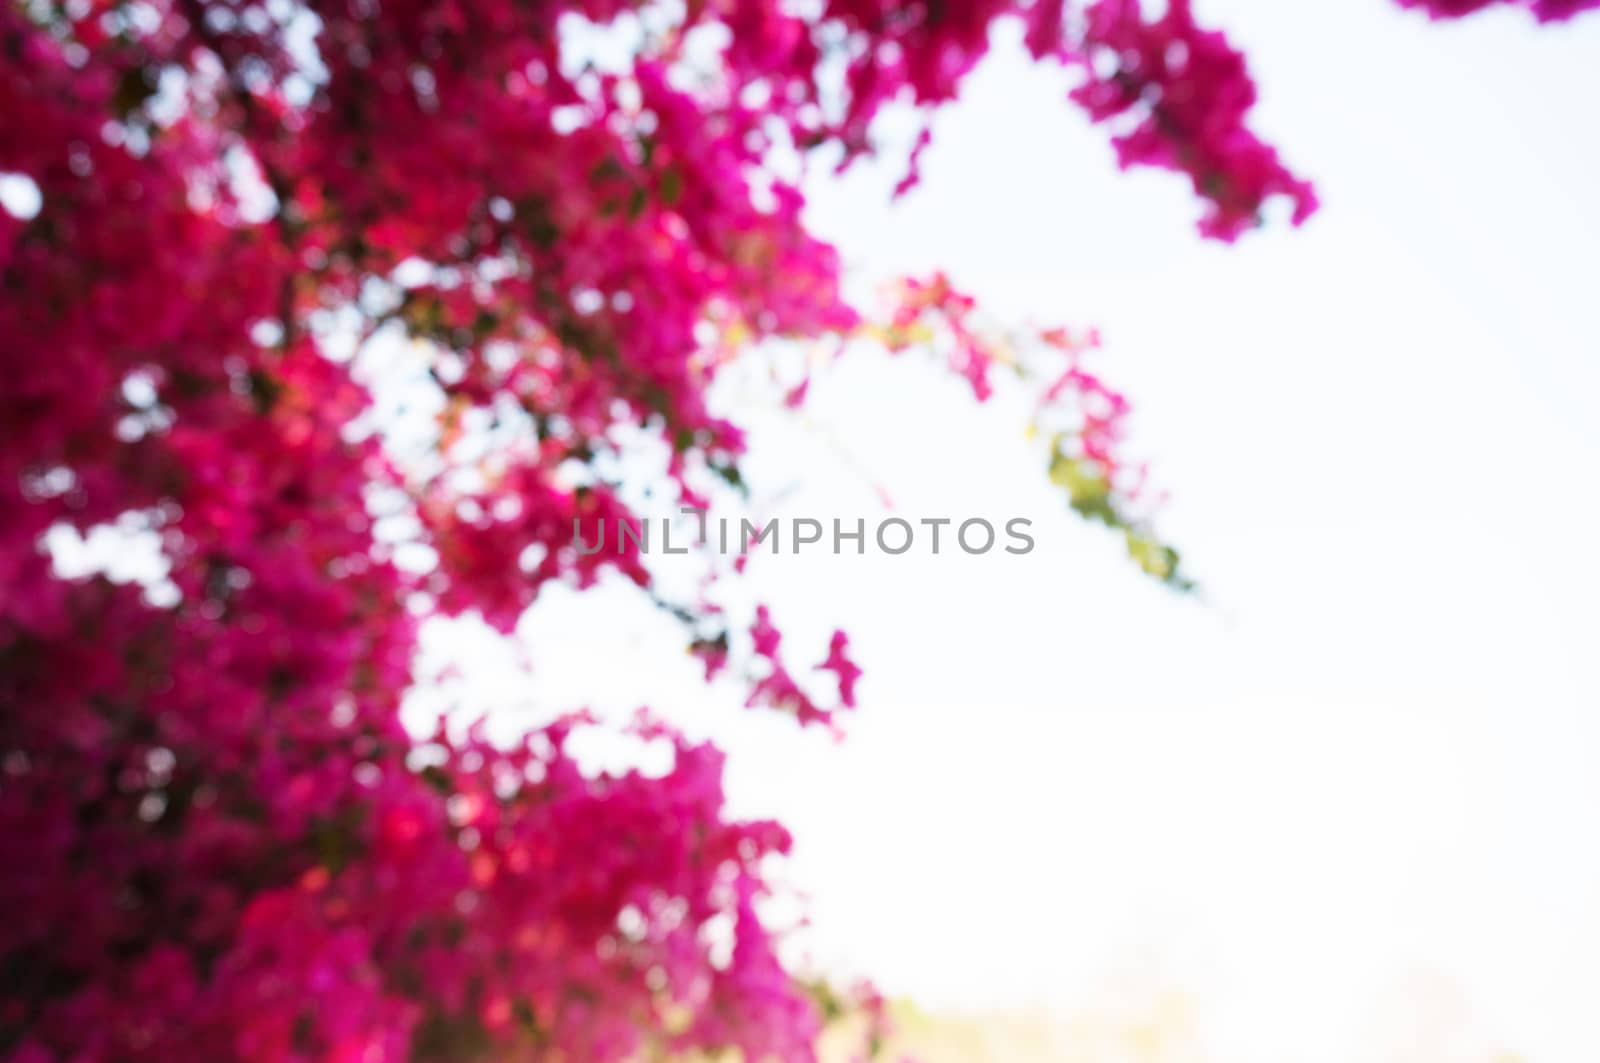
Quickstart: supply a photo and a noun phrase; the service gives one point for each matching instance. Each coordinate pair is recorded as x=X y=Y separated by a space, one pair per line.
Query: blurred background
x=1342 y=804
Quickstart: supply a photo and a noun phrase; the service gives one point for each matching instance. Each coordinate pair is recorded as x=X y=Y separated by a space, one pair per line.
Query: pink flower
x=840 y=665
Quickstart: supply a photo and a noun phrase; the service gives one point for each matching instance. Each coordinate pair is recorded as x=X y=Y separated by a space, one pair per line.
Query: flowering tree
x=218 y=841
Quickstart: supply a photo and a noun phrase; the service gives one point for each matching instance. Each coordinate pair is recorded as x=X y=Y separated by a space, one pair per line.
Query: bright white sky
x=1351 y=805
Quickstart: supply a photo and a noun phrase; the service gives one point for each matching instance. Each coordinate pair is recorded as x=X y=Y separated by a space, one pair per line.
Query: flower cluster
x=1187 y=94
x=778 y=689
x=1543 y=10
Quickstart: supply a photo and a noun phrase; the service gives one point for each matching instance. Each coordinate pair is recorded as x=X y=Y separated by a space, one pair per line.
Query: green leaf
x=1088 y=488
x=671 y=185
x=134 y=87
